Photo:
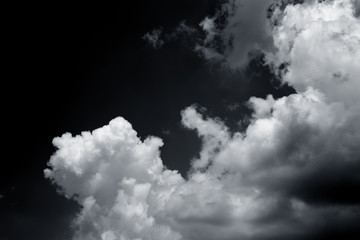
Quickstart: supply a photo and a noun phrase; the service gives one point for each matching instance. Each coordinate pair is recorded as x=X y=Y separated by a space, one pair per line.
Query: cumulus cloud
x=320 y=42
x=119 y=181
x=292 y=174
x=212 y=131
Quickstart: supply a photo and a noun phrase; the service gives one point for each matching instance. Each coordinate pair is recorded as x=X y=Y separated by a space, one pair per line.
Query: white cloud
x=321 y=42
x=280 y=179
x=118 y=179
x=301 y=132
x=212 y=131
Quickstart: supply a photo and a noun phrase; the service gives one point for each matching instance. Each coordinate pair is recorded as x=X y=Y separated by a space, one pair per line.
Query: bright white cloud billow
x=321 y=43
x=118 y=179
x=292 y=174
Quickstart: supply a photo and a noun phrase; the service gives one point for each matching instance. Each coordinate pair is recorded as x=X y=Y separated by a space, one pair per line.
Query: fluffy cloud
x=292 y=174
x=289 y=140
x=119 y=181
x=213 y=132
x=320 y=42
x=272 y=176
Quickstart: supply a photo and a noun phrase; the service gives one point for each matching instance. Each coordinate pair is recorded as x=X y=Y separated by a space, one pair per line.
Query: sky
x=231 y=119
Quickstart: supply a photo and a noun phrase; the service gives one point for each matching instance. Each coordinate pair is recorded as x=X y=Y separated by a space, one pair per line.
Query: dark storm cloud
x=292 y=173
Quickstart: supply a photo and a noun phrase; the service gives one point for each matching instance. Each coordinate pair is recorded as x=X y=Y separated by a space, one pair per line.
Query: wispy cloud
x=154 y=38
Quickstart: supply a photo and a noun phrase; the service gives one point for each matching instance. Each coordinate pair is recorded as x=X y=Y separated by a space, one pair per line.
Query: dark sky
x=74 y=67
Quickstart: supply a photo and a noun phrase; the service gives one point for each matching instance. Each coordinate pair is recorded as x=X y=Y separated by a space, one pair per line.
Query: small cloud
x=154 y=38
x=208 y=25
x=157 y=38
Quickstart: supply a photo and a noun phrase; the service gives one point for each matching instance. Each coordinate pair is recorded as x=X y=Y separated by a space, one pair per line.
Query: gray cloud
x=356 y=4
x=239 y=29
x=154 y=38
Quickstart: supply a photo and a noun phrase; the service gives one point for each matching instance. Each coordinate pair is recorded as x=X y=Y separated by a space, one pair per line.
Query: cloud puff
x=235 y=31
x=119 y=181
x=292 y=174
x=320 y=42
x=154 y=38
x=212 y=131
